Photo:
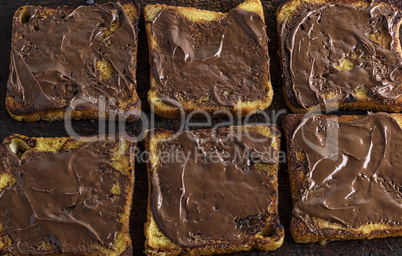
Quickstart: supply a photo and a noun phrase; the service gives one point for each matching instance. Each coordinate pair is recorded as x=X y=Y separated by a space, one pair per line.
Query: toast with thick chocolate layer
x=62 y=196
x=74 y=63
x=208 y=63
x=213 y=191
x=344 y=176
x=341 y=55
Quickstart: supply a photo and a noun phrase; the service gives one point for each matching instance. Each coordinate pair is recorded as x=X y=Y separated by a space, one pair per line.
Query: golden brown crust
x=288 y=11
x=326 y=230
x=14 y=109
x=170 y=111
x=122 y=160
x=274 y=230
x=132 y=103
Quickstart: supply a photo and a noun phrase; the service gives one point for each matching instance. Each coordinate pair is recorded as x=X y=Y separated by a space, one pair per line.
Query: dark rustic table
x=388 y=246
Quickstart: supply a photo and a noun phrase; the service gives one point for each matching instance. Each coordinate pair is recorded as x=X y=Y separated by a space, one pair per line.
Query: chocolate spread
x=217 y=62
x=217 y=194
x=354 y=176
x=54 y=59
x=62 y=199
x=323 y=38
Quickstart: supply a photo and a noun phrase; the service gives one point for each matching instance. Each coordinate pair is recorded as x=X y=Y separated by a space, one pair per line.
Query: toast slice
x=208 y=63
x=215 y=201
x=74 y=63
x=62 y=196
x=340 y=55
x=344 y=177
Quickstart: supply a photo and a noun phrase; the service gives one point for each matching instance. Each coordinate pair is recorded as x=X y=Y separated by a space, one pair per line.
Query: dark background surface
x=8 y=126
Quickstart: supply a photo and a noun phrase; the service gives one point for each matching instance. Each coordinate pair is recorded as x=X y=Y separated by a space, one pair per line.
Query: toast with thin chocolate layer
x=62 y=196
x=337 y=194
x=208 y=63
x=77 y=63
x=203 y=206
x=341 y=55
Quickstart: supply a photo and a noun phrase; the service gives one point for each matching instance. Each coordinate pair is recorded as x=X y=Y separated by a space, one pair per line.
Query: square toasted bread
x=62 y=196
x=77 y=63
x=208 y=63
x=340 y=55
x=339 y=186
x=214 y=202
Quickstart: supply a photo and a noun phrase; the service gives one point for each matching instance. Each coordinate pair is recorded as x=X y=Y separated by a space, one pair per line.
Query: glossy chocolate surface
x=338 y=49
x=55 y=53
x=64 y=200
x=210 y=188
x=353 y=175
x=217 y=62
